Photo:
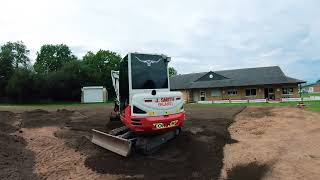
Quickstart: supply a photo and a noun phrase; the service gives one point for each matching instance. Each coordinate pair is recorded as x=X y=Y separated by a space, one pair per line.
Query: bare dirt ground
x=274 y=143
x=56 y=144
x=53 y=144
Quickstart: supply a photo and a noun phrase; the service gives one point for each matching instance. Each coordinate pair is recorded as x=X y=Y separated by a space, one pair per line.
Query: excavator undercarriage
x=123 y=141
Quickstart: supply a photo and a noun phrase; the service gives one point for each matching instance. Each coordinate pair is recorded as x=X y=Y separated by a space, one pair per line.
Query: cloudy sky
x=198 y=35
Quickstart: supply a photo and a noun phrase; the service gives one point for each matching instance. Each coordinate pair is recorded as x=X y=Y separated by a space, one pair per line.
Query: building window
x=216 y=92
x=310 y=89
x=287 y=91
x=202 y=95
x=251 y=92
x=232 y=92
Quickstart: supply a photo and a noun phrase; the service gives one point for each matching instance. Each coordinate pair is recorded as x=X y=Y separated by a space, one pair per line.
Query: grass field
x=312 y=105
x=309 y=94
x=56 y=105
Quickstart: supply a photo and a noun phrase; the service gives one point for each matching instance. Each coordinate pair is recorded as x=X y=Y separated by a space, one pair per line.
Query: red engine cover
x=152 y=124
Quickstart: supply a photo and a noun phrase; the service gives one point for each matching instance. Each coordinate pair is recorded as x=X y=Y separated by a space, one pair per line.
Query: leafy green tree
x=61 y=85
x=102 y=60
x=172 y=72
x=66 y=83
x=102 y=63
x=17 y=52
x=6 y=69
x=51 y=58
x=20 y=85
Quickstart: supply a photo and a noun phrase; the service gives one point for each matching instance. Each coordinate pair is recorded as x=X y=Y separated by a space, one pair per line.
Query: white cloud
x=200 y=36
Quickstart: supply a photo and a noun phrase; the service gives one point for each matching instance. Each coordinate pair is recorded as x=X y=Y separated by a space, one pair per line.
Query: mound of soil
x=15 y=161
x=7 y=122
x=7 y=117
x=6 y=128
x=41 y=118
x=78 y=140
x=251 y=171
x=260 y=112
x=276 y=146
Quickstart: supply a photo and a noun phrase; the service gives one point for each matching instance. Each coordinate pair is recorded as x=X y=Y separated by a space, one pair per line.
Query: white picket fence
x=311 y=98
x=232 y=101
x=291 y=99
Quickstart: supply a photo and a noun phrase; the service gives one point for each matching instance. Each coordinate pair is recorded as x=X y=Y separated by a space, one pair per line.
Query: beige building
x=240 y=84
x=312 y=88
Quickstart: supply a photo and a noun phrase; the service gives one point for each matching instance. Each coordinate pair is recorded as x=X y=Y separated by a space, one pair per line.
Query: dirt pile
x=283 y=145
x=251 y=171
x=260 y=112
x=41 y=118
x=16 y=162
x=7 y=122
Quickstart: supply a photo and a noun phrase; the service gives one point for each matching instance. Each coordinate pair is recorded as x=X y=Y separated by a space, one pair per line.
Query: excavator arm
x=115 y=83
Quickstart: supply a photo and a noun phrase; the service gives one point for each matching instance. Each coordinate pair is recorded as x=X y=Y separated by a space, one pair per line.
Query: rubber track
x=118 y=131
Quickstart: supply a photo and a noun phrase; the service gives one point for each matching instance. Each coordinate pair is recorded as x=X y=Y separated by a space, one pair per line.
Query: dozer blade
x=113 y=143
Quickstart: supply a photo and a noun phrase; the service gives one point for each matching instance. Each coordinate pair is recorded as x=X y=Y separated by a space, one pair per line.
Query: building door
x=202 y=95
x=195 y=94
x=269 y=94
x=190 y=96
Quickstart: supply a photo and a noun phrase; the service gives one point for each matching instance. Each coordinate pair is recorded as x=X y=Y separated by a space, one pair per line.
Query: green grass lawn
x=53 y=105
x=309 y=94
x=311 y=105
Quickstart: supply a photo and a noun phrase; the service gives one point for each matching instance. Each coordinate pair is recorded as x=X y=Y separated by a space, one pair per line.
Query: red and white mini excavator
x=151 y=113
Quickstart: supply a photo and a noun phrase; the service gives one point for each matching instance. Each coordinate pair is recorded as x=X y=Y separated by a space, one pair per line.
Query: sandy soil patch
x=54 y=160
x=273 y=143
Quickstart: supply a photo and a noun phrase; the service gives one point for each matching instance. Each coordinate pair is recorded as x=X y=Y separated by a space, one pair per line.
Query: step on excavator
x=151 y=114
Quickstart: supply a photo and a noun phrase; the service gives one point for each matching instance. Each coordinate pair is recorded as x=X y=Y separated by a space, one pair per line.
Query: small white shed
x=94 y=94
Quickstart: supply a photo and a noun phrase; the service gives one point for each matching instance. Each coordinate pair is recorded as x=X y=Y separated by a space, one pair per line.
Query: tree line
x=56 y=75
